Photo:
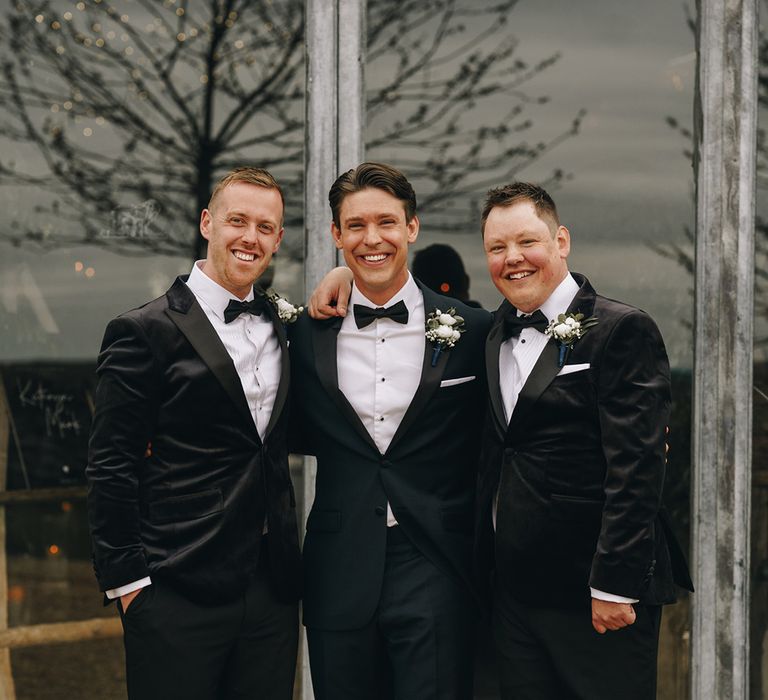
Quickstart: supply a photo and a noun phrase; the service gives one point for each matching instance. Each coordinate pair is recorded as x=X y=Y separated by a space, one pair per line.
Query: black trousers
x=555 y=654
x=419 y=645
x=177 y=649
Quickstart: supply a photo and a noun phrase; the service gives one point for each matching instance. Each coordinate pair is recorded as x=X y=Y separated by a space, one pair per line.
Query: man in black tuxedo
x=572 y=470
x=393 y=418
x=198 y=541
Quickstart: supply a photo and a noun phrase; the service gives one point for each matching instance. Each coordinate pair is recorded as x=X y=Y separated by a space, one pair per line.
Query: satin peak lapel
x=191 y=320
x=492 y=349
x=541 y=376
x=430 y=376
x=285 y=369
x=324 y=337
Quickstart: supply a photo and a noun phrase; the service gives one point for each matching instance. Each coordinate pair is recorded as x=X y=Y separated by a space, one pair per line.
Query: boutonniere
x=443 y=330
x=286 y=312
x=566 y=329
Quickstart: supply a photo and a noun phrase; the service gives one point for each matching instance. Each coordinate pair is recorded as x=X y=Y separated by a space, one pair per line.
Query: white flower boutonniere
x=444 y=328
x=566 y=329
x=286 y=312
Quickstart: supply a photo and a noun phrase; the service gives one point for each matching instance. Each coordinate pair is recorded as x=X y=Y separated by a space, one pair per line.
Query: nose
x=371 y=237
x=250 y=234
x=513 y=255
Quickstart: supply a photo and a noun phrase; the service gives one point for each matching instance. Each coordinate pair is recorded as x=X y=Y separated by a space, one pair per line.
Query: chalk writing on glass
x=133 y=222
x=57 y=414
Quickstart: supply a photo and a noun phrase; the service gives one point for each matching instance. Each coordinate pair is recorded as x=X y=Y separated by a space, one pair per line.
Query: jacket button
x=380 y=510
x=385 y=464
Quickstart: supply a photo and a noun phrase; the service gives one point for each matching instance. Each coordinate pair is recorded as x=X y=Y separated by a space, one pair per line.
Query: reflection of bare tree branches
x=114 y=105
x=682 y=253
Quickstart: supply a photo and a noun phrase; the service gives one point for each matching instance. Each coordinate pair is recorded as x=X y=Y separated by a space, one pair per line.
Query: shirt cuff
x=113 y=593
x=610 y=597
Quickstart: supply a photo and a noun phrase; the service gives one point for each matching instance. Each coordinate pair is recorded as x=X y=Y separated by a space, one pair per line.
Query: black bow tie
x=365 y=315
x=235 y=308
x=513 y=323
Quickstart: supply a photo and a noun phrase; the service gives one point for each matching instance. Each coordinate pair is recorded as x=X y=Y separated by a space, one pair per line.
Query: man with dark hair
x=572 y=470
x=391 y=404
x=198 y=541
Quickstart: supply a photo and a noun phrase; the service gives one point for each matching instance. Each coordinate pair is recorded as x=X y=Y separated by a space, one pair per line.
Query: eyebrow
x=379 y=215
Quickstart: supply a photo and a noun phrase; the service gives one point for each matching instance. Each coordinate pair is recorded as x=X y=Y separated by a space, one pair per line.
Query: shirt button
x=383 y=339
x=522 y=340
x=381 y=418
x=382 y=379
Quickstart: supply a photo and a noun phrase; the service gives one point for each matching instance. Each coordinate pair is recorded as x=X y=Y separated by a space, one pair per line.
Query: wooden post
x=725 y=118
x=335 y=110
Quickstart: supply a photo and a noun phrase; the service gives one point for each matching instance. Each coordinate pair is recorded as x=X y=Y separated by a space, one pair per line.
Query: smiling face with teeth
x=374 y=236
x=243 y=228
x=526 y=254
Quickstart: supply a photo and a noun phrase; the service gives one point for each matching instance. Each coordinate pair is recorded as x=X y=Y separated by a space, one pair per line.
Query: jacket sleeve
x=122 y=426
x=633 y=390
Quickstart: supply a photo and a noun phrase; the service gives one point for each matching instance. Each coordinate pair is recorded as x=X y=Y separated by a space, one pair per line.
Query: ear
x=336 y=234
x=413 y=229
x=205 y=224
x=279 y=239
x=563 y=239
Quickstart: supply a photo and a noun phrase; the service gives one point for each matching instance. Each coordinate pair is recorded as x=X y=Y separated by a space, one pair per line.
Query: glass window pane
x=115 y=121
x=593 y=100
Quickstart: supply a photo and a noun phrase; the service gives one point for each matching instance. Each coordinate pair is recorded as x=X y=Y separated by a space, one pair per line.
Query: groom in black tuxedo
x=393 y=418
x=198 y=541
x=572 y=470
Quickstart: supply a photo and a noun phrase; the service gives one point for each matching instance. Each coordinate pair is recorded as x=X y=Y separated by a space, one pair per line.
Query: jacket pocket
x=324 y=521
x=188 y=506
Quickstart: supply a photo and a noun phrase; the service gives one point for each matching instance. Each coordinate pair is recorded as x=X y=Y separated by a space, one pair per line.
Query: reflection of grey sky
x=628 y=64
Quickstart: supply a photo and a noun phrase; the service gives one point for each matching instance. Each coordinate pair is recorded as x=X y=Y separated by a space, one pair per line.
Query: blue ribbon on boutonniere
x=566 y=329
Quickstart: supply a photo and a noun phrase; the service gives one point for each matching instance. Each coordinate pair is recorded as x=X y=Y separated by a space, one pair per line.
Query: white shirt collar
x=559 y=301
x=210 y=292
x=409 y=293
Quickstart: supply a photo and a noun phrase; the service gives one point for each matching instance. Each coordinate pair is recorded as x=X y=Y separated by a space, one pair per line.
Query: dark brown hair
x=515 y=192
x=375 y=175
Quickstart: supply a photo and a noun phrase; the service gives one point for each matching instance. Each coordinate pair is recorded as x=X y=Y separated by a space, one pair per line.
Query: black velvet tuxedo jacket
x=192 y=513
x=579 y=468
x=428 y=474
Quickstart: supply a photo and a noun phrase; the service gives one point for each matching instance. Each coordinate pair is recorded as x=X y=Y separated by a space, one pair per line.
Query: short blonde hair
x=252 y=176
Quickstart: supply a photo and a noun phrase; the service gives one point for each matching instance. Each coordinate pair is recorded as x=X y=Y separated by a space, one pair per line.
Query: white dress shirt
x=517 y=357
x=252 y=344
x=379 y=366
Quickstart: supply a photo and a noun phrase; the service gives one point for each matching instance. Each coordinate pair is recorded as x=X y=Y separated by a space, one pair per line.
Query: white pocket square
x=458 y=380
x=568 y=369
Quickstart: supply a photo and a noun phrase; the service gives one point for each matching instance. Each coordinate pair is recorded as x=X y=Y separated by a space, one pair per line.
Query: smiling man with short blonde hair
x=197 y=541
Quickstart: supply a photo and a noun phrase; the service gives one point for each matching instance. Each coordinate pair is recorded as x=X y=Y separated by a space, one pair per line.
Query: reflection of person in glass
x=572 y=471
x=198 y=541
x=440 y=267
x=388 y=604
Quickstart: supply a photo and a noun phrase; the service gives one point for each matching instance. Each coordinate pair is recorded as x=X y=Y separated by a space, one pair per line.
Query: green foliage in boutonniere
x=443 y=330
x=286 y=312
x=566 y=329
